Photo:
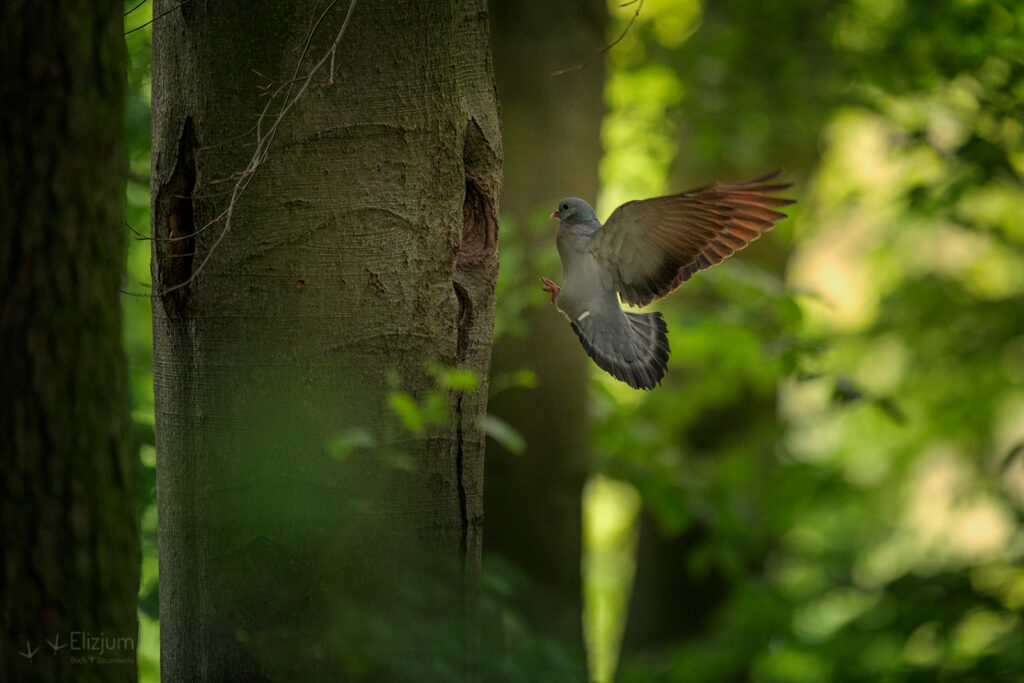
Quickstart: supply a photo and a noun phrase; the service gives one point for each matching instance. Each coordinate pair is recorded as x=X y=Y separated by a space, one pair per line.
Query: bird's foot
x=551 y=288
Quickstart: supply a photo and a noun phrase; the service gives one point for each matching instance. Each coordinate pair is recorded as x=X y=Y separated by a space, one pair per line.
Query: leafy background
x=835 y=462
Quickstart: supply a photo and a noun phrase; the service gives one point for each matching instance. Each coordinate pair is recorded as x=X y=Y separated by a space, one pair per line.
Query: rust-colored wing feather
x=654 y=245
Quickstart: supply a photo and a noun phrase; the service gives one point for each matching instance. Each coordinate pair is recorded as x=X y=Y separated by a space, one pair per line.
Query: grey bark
x=67 y=477
x=552 y=134
x=363 y=248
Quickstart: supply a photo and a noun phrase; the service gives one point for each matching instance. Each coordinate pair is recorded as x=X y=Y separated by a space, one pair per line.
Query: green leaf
x=504 y=433
x=434 y=408
x=399 y=460
x=457 y=378
x=343 y=445
x=405 y=407
x=523 y=378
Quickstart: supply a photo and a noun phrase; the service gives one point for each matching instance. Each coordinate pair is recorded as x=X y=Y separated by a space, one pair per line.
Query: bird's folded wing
x=654 y=245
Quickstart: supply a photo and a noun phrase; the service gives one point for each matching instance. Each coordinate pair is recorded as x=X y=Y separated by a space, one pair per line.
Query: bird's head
x=574 y=210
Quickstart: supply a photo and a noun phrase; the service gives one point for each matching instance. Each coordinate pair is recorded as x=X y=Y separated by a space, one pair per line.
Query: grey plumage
x=643 y=252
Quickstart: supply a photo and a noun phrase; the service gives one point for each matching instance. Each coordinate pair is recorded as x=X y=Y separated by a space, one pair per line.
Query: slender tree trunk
x=667 y=603
x=306 y=532
x=68 y=480
x=552 y=133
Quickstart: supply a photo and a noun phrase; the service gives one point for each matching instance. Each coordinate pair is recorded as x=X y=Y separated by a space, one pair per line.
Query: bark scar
x=174 y=227
x=464 y=321
x=473 y=283
x=479 y=208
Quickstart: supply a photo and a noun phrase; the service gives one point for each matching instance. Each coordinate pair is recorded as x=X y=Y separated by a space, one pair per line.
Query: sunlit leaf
x=405 y=407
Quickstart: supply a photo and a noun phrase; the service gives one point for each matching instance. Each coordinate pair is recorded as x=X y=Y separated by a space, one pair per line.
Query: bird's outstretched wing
x=654 y=245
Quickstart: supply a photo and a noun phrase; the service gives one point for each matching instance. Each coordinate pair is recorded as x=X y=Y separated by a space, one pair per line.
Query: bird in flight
x=643 y=252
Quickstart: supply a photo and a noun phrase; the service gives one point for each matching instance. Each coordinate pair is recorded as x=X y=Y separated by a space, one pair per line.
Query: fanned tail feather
x=637 y=354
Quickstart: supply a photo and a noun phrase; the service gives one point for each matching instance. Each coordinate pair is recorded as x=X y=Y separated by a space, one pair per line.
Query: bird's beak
x=554 y=214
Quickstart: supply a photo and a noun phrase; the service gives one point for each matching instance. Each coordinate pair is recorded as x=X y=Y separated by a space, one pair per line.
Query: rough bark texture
x=364 y=247
x=552 y=137
x=67 y=478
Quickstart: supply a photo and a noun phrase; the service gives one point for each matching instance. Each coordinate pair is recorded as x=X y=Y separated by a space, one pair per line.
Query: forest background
x=829 y=485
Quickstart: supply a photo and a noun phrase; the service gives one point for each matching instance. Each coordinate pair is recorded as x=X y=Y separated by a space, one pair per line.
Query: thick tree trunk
x=363 y=248
x=71 y=547
x=552 y=134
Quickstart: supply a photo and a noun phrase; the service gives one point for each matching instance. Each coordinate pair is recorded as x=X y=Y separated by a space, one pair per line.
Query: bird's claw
x=551 y=288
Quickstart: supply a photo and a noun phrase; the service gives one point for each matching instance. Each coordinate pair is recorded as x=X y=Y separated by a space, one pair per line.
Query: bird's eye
x=565 y=207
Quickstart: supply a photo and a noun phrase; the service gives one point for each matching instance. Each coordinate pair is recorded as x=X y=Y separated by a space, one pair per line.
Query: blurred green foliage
x=843 y=397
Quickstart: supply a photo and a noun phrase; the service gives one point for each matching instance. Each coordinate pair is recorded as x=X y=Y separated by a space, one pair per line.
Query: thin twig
x=607 y=47
x=137 y=233
x=302 y=56
x=161 y=15
x=140 y=296
x=193 y=197
x=141 y=3
x=179 y=238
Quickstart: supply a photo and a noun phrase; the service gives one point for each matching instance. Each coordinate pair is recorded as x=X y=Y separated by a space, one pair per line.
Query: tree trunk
x=306 y=532
x=71 y=546
x=667 y=603
x=552 y=134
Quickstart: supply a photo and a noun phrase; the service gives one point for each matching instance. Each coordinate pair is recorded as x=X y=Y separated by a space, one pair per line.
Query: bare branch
x=263 y=140
x=137 y=6
x=162 y=14
x=607 y=47
x=138 y=234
